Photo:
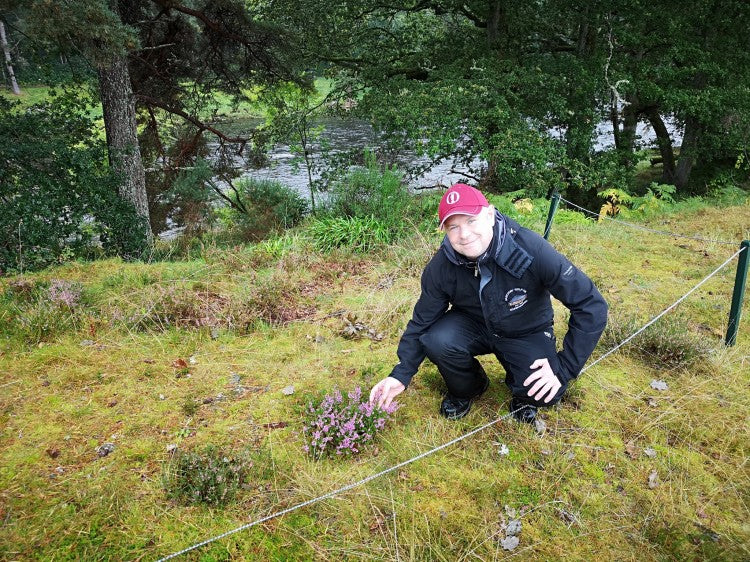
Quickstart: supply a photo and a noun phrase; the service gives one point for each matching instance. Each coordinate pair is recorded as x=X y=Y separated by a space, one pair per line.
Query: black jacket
x=516 y=275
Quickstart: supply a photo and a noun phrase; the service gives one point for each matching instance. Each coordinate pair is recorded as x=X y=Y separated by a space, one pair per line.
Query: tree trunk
x=687 y=153
x=494 y=23
x=665 y=145
x=118 y=107
x=8 y=65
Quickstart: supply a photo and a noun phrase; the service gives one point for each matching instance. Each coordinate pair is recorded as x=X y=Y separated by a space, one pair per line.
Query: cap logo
x=453 y=197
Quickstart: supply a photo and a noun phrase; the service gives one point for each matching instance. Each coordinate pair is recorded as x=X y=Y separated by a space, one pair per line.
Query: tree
x=8 y=64
x=159 y=58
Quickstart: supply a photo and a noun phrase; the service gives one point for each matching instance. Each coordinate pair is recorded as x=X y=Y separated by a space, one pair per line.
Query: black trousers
x=454 y=341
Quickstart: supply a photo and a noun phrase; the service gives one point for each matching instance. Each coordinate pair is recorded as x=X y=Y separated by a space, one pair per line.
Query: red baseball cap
x=461 y=199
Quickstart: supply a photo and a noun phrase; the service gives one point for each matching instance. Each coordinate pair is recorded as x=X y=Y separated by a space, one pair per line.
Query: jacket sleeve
x=431 y=305
x=588 y=309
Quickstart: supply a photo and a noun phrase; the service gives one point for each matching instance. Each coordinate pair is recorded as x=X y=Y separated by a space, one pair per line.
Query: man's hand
x=546 y=381
x=385 y=391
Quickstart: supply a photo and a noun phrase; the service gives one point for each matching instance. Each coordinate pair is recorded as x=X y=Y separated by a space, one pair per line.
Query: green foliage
x=59 y=199
x=41 y=311
x=360 y=234
x=263 y=207
x=369 y=191
x=669 y=343
x=208 y=476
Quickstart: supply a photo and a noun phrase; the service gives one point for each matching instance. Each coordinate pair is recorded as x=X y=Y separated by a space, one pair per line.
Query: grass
x=205 y=381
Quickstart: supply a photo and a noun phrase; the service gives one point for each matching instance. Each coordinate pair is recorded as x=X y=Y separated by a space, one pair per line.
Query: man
x=487 y=290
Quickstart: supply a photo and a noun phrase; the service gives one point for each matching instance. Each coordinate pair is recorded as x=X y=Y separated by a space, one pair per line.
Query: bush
x=338 y=427
x=367 y=190
x=667 y=343
x=59 y=198
x=360 y=234
x=208 y=476
x=269 y=205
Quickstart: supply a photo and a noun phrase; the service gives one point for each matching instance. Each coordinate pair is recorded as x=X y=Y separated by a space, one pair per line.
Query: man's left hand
x=547 y=384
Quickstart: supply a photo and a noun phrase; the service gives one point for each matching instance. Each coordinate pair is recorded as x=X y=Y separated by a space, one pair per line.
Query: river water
x=342 y=135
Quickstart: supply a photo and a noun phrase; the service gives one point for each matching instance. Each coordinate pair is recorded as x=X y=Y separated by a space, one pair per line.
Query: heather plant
x=336 y=426
x=208 y=476
x=64 y=293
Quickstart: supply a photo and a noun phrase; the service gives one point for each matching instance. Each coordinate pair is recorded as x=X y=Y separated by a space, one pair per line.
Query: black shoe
x=522 y=411
x=454 y=408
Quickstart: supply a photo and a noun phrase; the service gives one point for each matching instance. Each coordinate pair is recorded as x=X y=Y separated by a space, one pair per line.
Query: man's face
x=471 y=235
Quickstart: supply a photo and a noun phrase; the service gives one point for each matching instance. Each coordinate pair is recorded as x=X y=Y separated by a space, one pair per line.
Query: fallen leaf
x=112 y=403
x=631 y=450
x=509 y=543
x=377 y=524
x=653 y=479
x=53 y=452
x=275 y=425
x=513 y=528
x=659 y=385
x=540 y=426
x=179 y=364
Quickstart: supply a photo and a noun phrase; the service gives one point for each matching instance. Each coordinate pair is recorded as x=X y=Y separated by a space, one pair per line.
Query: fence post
x=739 y=292
x=554 y=202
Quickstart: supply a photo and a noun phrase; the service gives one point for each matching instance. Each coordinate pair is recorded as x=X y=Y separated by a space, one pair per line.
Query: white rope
x=662 y=313
x=343 y=488
x=641 y=227
x=439 y=447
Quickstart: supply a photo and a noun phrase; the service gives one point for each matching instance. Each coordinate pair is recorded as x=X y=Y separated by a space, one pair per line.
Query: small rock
x=112 y=403
x=171 y=448
x=503 y=450
x=659 y=385
x=567 y=516
x=234 y=378
x=60 y=470
x=162 y=397
x=287 y=390
x=53 y=452
x=570 y=455
x=87 y=343
x=208 y=400
x=649 y=452
x=192 y=360
x=653 y=403
x=509 y=543
x=106 y=449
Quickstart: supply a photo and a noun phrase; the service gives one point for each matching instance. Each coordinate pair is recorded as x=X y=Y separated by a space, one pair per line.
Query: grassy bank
x=97 y=391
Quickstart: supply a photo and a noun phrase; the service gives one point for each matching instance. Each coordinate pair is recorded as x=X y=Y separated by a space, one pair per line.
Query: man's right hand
x=385 y=391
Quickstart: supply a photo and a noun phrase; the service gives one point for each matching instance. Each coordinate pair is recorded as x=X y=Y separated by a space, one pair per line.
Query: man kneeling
x=487 y=290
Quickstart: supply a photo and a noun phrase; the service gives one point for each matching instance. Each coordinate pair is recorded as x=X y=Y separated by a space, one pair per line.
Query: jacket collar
x=503 y=249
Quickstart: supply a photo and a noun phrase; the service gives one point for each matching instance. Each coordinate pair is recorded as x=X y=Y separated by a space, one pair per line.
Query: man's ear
x=491 y=211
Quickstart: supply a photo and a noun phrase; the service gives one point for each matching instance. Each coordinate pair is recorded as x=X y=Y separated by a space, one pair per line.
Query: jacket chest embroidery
x=516 y=298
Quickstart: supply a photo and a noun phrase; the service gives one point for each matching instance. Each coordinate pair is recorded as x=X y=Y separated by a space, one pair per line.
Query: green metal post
x=739 y=292
x=554 y=202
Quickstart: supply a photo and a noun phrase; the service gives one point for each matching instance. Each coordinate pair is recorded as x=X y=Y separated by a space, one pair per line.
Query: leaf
x=631 y=450
x=513 y=528
x=659 y=385
x=275 y=425
x=509 y=543
x=179 y=364
x=653 y=479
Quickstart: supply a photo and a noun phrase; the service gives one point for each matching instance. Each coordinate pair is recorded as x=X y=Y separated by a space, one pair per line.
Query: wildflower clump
x=208 y=476
x=64 y=293
x=336 y=426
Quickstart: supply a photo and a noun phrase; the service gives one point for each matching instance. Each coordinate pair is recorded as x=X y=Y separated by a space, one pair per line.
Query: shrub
x=369 y=191
x=59 y=198
x=360 y=234
x=667 y=343
x=269 y=207
x=338 y=427
x=208 y=476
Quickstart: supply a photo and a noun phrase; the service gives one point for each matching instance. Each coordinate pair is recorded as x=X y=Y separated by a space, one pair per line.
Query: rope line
x=444 y=445
x=641 y=227
x=663 y=312
x=343 y=488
